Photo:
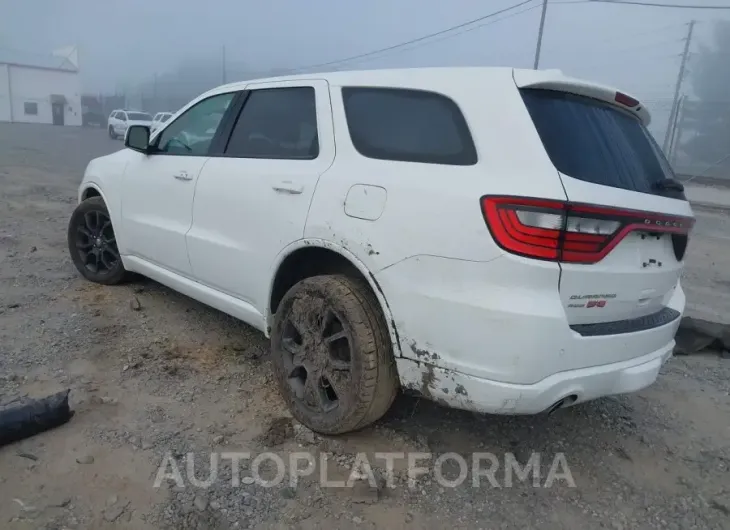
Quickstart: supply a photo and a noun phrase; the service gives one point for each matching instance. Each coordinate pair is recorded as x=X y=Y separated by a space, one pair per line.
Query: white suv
x=120 y=120
x=504 y=241
x=160 y=119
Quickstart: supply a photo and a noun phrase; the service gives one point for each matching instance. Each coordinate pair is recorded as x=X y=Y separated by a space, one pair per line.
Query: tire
x=92 y=243
x=339 y=322
x=112 y=135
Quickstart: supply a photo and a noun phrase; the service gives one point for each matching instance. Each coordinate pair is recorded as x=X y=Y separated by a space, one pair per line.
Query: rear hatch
x=626 y=221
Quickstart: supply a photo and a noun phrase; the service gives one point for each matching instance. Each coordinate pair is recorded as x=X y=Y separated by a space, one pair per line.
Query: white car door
x=157 y=196
x=252 y=200
x=120 y=123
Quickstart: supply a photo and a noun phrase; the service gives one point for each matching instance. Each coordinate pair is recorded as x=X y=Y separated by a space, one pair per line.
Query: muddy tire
x=332 y=354
x=92 y=243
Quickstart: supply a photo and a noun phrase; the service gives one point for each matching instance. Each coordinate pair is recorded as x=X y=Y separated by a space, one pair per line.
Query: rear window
x=139 y=116
x=408 y=126
x=593 y=141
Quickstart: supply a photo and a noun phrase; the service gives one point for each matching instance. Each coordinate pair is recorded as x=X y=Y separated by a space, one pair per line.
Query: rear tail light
x=568 y=232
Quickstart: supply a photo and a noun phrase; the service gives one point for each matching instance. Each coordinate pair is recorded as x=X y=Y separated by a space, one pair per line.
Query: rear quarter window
x=594 y=141
x=407 y=125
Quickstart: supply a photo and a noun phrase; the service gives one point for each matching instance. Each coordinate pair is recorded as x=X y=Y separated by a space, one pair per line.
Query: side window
x=193 y=132
x=408 y=126
x=122 y=116
x=277 y=123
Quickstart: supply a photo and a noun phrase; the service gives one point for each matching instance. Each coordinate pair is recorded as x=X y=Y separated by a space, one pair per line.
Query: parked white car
x=160 y=119
x=511 y=253
x=120 y=120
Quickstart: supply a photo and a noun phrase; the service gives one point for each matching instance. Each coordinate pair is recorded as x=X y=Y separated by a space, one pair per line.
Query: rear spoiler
x=556 y=80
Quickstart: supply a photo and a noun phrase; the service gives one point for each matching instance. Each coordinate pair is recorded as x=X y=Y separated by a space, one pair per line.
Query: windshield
x=139 y=116
x=594 y=141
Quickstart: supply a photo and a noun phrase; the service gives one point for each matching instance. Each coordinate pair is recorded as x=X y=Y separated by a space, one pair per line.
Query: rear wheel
x=332 y=354
x=93 y=245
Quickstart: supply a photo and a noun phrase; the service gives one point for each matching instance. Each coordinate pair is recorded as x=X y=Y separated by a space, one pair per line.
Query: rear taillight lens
x=568 y=232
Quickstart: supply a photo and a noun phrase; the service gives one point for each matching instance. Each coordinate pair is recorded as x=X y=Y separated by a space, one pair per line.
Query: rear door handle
x=183 y=175
x=287 y=186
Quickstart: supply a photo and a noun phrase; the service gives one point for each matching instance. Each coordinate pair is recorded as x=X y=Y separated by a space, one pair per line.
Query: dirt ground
x=153 y=373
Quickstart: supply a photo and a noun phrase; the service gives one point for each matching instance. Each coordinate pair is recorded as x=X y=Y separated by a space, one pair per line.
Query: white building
x=40 y=89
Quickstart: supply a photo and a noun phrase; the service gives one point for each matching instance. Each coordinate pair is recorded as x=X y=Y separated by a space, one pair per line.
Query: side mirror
x=138 y=138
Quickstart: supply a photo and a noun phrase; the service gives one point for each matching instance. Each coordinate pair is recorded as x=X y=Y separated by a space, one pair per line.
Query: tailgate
x=630 y=218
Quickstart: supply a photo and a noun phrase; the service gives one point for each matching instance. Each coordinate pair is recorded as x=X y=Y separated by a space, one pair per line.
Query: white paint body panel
x=366 y=202
x=157 y=208
x=247 y=210
x=642 y=273
x=488 y=329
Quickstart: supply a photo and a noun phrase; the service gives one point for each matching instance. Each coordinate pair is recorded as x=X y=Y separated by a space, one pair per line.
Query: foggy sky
x=124 y=42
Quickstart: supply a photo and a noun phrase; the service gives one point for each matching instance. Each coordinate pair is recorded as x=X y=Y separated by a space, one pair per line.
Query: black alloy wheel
x=332 y=354
x=92 y=243
x=317 y=356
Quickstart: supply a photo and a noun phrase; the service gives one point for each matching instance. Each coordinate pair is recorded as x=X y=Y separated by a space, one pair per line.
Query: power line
x=658 y=4
x=621 y=56
x=653 y=31
x=643 y=46
x=470 y=26
x=709 y=53
x=412 y=41
x=446 y=37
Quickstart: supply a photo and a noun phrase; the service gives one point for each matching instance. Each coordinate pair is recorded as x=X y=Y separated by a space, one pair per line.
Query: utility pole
x=224 y=64
x=539 y=35
x=154 y=93
x=678 y=87
x=677 y=131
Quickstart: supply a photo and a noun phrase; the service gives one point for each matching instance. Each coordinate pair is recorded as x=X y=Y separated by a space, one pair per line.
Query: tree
x=706 y=119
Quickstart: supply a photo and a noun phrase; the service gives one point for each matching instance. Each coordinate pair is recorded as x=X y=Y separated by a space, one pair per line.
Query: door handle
x=288 y=187
x=183 y=175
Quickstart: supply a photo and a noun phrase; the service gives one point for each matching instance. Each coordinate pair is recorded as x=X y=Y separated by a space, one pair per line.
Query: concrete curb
x=695 y=335
x=708 y=206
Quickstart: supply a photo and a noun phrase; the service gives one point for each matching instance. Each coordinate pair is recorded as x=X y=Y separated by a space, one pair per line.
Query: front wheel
x=93 y=245
x=112 y=134
x=332 y=354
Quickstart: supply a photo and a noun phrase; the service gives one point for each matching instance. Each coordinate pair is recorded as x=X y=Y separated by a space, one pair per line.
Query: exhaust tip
x=555 y=407
x=561 y=403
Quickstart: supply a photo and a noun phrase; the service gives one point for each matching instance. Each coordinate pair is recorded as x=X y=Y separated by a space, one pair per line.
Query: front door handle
x=287 y=186
x=183 y=175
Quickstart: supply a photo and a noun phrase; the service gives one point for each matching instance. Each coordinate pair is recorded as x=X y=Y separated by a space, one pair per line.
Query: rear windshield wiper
x=668 y=184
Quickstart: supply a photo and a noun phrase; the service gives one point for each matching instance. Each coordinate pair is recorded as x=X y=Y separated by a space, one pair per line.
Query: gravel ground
x=155 y=374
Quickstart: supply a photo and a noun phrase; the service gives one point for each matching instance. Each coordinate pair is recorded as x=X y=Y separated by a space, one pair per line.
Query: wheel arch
x=89 y=189
x=319 y=256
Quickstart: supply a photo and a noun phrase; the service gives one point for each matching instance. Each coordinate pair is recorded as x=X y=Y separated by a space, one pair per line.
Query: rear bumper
x=503 y=320
x=468 y=392
x=494 y=337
